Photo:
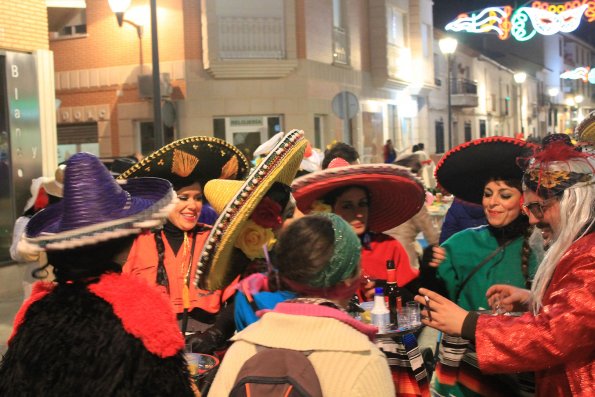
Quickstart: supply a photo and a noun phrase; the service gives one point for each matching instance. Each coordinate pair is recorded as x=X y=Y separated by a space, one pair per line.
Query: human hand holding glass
x=507 y=298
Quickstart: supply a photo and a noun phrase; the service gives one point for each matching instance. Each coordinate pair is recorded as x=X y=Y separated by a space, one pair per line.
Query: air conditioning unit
x=145 y=85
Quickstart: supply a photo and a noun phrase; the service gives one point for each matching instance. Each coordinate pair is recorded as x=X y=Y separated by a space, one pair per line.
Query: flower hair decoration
x=258 y=230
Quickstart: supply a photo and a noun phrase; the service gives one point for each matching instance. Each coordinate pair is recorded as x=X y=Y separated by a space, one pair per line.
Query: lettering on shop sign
x=23 y=121
x=524 y=23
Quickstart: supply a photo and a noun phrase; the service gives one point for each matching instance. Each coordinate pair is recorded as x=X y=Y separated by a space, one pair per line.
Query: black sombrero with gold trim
x=192 y=159
x=466 y=168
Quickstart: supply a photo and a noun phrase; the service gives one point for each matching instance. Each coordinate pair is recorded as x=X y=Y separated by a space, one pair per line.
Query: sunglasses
x=538 y=208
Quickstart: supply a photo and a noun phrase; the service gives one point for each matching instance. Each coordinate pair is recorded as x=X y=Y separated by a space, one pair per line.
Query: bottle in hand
x=392 y=292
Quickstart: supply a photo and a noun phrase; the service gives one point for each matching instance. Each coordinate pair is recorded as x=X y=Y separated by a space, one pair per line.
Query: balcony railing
x=340 y=46
x=399 y=62
x=251 y=38
x=463 y=86
x=463 y=93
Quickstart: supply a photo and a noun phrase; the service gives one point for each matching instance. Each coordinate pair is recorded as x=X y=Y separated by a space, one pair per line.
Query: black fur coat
x=68 y=341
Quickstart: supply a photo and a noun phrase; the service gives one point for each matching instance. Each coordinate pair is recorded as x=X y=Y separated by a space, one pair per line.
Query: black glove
x=206 y=342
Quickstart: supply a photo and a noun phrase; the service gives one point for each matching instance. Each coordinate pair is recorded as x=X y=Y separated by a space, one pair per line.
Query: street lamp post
x=448 y=46
x=552 y=117
x=119 y=7
x=520 y=78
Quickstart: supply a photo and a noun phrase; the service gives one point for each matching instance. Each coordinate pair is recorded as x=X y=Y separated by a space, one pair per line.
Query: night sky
x=447 y=10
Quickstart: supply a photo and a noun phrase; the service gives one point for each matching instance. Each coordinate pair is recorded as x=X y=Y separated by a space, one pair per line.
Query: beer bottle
x=392 y=292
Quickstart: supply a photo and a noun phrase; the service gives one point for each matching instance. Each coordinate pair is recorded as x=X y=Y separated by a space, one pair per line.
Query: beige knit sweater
x=346 y=362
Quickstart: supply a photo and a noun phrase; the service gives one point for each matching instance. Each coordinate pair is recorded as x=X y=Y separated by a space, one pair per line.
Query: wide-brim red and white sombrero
x=395 y=194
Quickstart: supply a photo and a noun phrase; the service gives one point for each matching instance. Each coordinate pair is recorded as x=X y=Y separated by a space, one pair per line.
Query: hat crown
x=91 y=194
x=338 y=162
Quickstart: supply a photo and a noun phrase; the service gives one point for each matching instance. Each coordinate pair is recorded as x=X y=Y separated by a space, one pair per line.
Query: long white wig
x=577 y=217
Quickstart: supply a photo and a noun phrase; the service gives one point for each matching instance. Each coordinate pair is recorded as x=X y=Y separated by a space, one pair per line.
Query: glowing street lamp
x=448 y=46
x=520 y=78
x=119 y=7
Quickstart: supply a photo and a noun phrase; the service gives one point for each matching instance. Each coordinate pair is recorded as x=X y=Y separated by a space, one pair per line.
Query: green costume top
x=468 y=248
x=464 y=251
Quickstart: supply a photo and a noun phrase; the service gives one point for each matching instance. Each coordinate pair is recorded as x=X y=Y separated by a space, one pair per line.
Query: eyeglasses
x=538 y=208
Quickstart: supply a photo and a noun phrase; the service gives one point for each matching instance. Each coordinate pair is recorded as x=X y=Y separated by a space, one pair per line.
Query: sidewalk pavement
x=9 y=305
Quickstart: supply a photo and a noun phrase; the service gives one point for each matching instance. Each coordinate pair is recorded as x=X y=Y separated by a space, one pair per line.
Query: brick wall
x=107 y=44
x=23 y=25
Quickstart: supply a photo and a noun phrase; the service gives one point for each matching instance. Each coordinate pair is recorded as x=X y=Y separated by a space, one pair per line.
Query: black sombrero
x=192 y=159
x=465 y=169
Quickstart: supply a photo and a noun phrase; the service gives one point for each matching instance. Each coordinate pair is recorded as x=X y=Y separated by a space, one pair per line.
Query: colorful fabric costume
x=142 y=262
x=465 y=250
x=564 y=360
x=125 y=349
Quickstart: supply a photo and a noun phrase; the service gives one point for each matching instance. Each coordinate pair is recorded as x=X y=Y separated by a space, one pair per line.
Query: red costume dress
x=381 y=248
x=559 y=342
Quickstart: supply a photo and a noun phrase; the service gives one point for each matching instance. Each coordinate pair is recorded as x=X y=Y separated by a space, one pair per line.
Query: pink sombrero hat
x=395 y=194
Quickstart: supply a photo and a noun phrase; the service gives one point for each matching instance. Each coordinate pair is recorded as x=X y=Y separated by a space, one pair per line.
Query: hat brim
x=395 y=194
x=466 y=169
x=204 y=158
x=151 y=201
x=215 y=268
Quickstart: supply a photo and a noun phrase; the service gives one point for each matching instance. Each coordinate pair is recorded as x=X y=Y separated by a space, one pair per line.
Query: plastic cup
x=414 y=312
x=403 y=318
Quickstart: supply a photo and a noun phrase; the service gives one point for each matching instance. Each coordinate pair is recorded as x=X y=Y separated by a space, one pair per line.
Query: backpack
x=277 y=372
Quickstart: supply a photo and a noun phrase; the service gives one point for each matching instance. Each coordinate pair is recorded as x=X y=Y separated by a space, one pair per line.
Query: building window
x=396 y=27
x=247 y=132
x=147 y=141
x=67 y=22
x=439 y=136
x=425 y=40
x=75 y=138
x=482 y=128
x=251 y=29
x=341 y=51
x=318 y=131
x=467 y=131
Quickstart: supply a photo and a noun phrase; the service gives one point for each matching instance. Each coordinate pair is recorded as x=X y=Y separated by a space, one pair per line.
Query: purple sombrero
x=395 y=194
x=465 y=169
x=95 y=207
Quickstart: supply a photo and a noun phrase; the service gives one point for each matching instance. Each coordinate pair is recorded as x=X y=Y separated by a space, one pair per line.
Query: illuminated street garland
x=584 y=73
x=525 y=22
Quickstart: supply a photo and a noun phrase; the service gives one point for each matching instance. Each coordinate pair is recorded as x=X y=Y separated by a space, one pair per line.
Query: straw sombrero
x=236 y=200
x=95 y=207
x=193 y=159
x=465 y=169
x=585 y=131
x=396 y=195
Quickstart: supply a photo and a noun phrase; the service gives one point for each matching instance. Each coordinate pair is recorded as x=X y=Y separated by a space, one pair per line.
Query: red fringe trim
x=145 y=312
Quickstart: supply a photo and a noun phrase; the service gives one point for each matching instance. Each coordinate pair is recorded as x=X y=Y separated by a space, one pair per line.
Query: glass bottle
x=392 y=292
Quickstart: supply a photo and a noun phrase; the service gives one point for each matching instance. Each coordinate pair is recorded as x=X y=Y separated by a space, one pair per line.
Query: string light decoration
x=584 y=73
x=524 y=23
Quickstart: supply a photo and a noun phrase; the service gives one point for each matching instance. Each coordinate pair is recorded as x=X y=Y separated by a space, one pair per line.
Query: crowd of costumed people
x=194 y=249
